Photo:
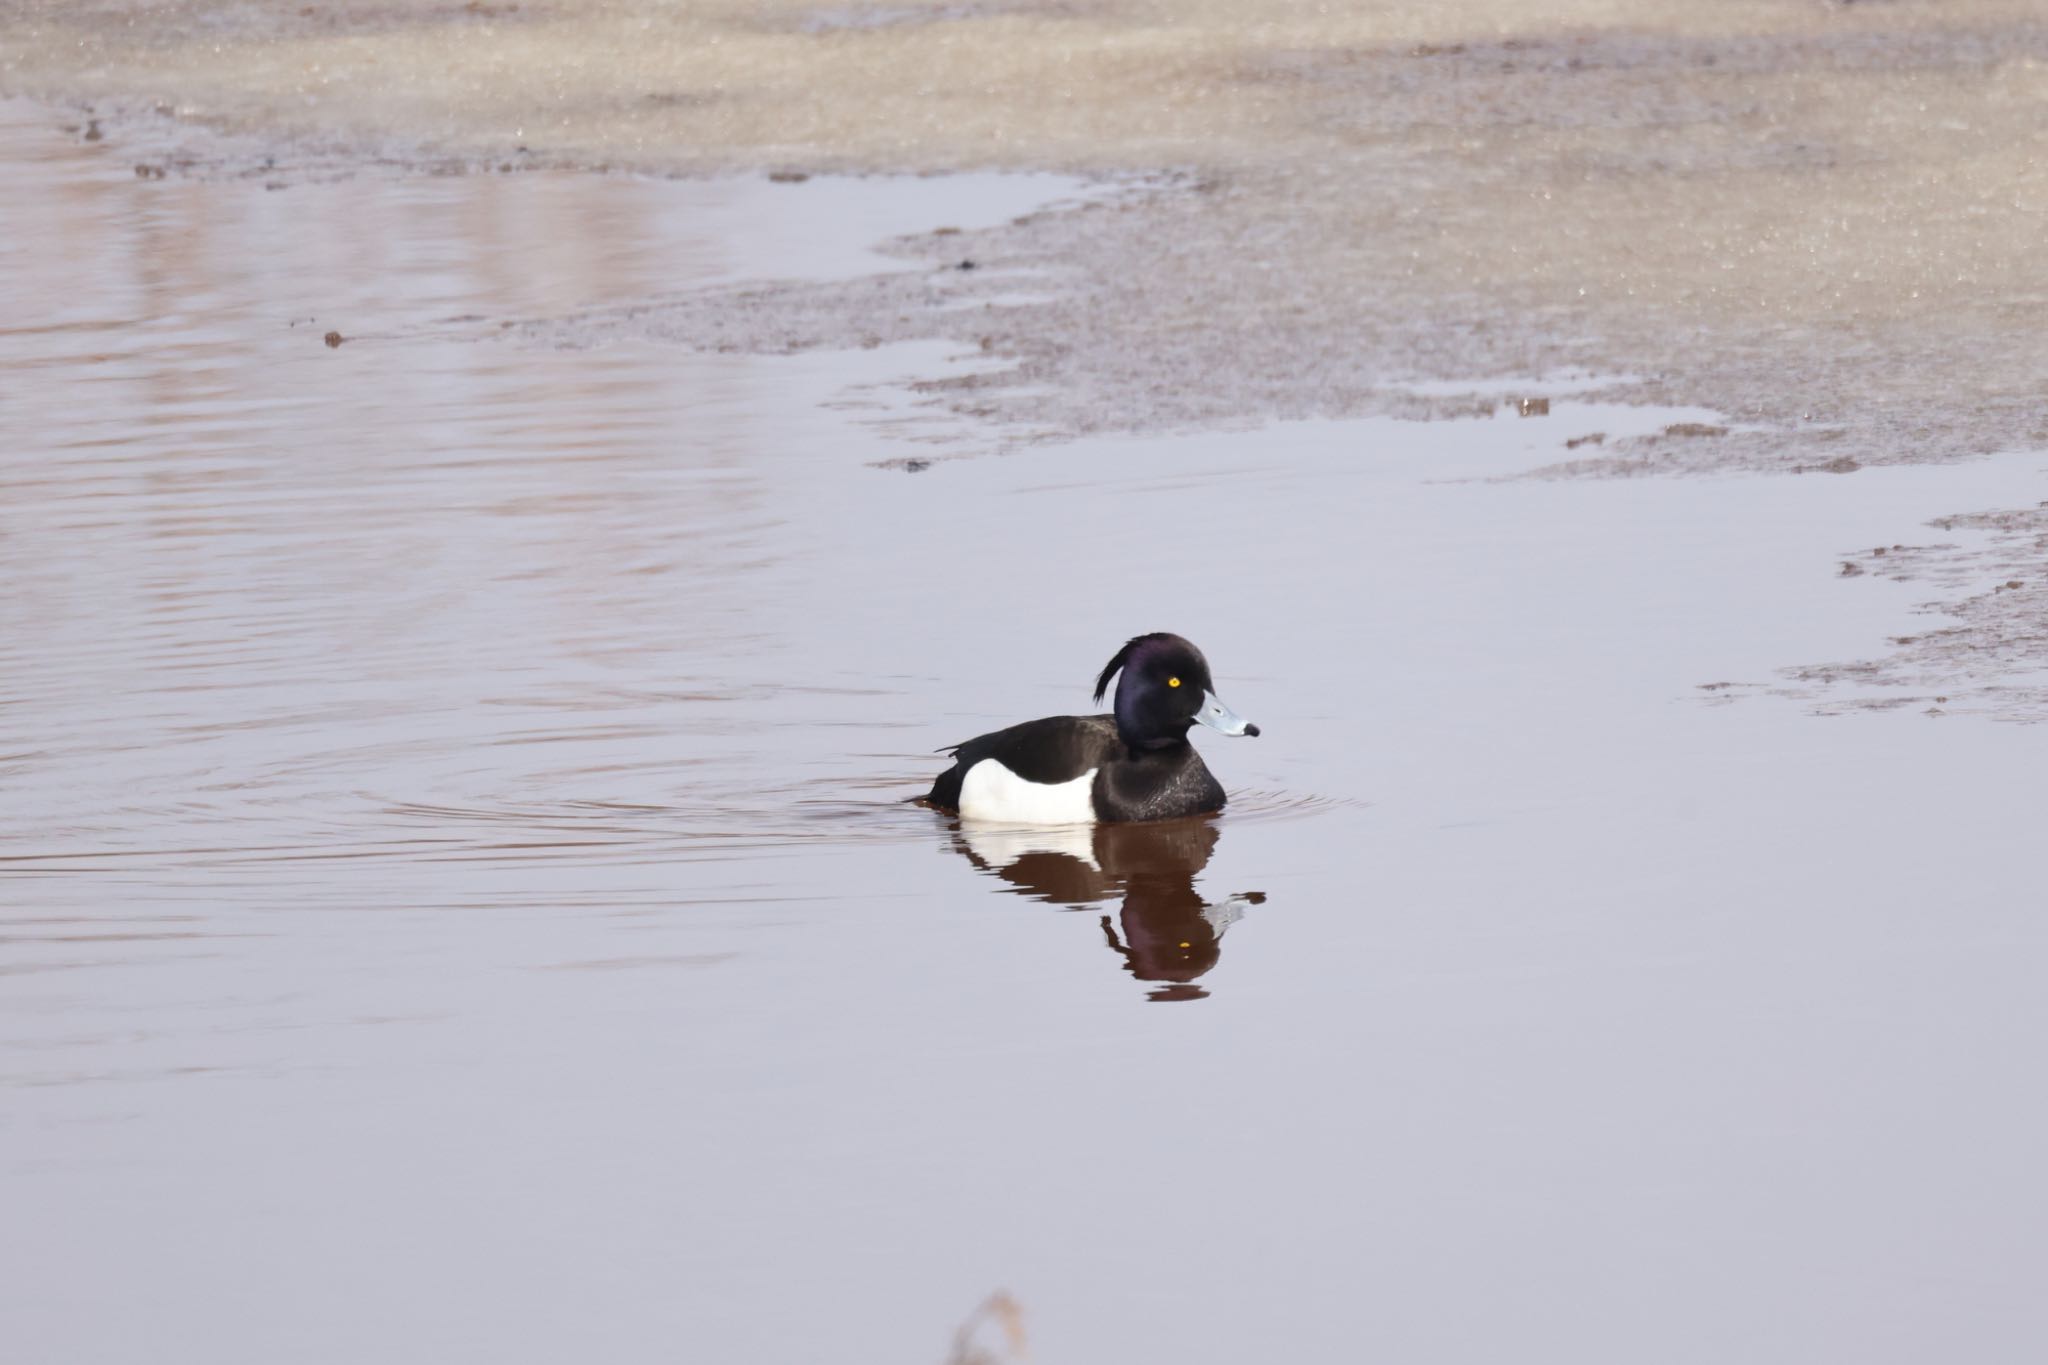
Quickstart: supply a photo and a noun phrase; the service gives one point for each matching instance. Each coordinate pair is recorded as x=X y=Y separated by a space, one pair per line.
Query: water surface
x=461 y=903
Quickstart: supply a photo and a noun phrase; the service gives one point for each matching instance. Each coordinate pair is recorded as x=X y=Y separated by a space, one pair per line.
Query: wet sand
x=1808 y=215
x=461 y=902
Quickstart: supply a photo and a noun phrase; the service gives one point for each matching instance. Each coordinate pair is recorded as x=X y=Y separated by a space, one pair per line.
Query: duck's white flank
x=992 y=792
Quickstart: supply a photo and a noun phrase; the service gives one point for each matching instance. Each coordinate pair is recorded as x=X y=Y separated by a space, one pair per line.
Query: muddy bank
x=1986 y=642
x=1822 y=220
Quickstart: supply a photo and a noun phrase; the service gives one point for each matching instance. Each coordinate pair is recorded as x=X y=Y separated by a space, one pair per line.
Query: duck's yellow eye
x=1173 y=682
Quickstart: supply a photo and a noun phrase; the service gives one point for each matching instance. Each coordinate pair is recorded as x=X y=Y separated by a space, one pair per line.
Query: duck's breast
x=1164 y=785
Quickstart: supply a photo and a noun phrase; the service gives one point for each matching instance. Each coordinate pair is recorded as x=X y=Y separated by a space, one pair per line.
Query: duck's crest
x=1123 y=656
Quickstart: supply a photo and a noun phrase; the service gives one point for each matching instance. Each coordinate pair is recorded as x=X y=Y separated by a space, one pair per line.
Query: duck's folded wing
x=1056 y=749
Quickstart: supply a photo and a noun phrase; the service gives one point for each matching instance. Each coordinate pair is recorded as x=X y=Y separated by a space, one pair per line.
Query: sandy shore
x=1823 y=218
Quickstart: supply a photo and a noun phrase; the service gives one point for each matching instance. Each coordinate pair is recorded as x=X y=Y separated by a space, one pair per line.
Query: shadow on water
x=1165 y=932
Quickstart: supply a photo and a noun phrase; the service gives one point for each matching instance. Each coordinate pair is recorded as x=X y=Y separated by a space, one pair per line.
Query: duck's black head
x=1165 y=688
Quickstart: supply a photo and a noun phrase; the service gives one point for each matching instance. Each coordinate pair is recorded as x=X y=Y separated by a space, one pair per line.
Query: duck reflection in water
x=1165 y=932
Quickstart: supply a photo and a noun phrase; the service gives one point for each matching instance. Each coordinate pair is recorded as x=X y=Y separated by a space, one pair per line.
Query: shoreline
x=1819 y=221
x=1822 y=226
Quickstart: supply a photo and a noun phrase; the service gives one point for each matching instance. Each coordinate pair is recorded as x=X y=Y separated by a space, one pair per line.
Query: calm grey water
x=460 y=902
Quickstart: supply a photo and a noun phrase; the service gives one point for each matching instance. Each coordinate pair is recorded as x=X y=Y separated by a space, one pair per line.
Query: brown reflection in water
x=1165 y=932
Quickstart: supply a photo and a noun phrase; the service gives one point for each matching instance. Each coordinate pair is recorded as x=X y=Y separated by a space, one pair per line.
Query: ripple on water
x=1263 y=804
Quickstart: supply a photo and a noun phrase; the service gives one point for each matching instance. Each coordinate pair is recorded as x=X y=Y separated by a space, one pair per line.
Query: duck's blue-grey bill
x=1217 y=716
